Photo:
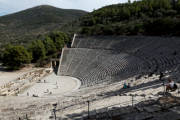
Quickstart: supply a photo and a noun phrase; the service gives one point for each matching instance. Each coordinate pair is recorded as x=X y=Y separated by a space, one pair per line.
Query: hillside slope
x=145 y=17
x=24 y=26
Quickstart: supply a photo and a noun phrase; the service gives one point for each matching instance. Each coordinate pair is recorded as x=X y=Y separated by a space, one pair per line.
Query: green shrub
x=15 y=57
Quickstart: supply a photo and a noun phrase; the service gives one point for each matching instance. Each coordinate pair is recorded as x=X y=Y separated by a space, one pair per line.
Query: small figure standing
x=161 y=76
x=124 y=85
x=171 y=85
x=27 y=93
x=129 y=85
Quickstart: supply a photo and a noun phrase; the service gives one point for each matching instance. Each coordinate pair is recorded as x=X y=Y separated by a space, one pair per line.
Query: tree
x=125 y=13
x=37 y=50
x=49 y=46
x=178 y=5
x=15 y=56
x=129 y=1
x=58 y=39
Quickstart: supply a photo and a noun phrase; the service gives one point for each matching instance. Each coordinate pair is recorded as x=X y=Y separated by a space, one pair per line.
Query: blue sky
x=11 y=6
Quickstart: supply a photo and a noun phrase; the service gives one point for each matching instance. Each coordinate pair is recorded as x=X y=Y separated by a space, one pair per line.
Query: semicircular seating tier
x=99 y=59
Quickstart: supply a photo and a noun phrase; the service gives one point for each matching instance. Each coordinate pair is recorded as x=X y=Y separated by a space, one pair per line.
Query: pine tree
x=37 y=50
x=49 y=46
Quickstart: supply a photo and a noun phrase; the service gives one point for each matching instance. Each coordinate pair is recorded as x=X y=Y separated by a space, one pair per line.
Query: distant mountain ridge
x=22 y=27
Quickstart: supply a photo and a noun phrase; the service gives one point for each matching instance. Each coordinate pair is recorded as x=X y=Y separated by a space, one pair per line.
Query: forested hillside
x=25 y=26
x=145 y=17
